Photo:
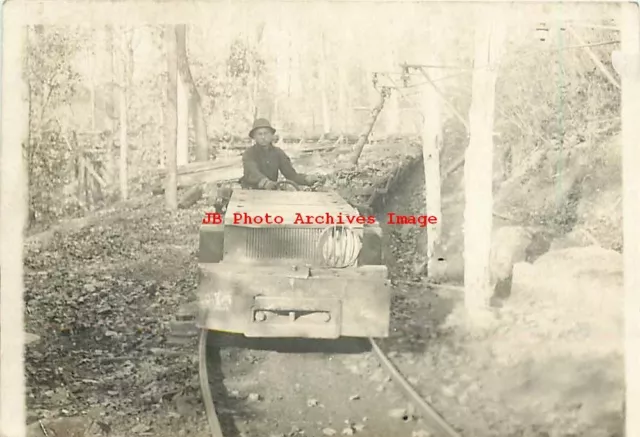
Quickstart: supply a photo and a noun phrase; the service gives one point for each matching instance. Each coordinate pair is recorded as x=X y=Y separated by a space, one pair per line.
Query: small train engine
x=292 y=278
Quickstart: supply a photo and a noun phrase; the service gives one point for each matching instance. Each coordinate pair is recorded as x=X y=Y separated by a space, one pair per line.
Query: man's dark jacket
x=262 y=164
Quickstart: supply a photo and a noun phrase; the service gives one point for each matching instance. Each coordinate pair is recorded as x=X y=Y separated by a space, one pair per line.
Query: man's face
x=263 y=136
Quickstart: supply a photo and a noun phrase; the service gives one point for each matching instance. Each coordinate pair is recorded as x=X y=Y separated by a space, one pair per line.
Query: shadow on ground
x=416 y=318
x=236 y=352
x=344 y=345
x=417 y=312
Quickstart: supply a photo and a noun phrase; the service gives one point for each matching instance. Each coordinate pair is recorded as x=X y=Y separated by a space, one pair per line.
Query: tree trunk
x=326 y=111
x=343 y=101
x=478 y=218
x=195 y=100
x=200 y=128
x=31 y=219
x=81 y=175
x=13 y=218
x=364 y=136
x=253 y=91
x=182 y=96
x=37 y=32
x=627 y=63
x=89 y=186
x=171 y=120
x=344 y=84
x=431 y=148
x=182 y=93
x=162 y=134
x=110 y=159
x=281 y=72
x=123 y=101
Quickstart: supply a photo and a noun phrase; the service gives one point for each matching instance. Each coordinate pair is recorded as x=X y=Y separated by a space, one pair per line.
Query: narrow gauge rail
x=208 y=346
x=288 y=281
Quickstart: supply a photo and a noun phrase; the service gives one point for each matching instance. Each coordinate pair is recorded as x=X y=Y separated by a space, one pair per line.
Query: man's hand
x=270 y=185
x=267 y=184
x=313 y=179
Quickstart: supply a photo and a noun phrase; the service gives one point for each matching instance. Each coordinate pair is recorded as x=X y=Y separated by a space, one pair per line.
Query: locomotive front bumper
x=285 y=301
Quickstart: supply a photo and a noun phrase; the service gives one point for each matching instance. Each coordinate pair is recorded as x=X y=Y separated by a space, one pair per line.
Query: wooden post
x=431 y=148
x=13 y=219
x=627 y=64
x=478 y=174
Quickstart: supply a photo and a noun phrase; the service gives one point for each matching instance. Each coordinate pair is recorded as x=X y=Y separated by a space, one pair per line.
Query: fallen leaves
x=93 y=297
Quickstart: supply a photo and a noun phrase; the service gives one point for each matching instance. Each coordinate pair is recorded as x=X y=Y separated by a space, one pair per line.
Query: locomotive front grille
x=287 y=241
x=273 y=243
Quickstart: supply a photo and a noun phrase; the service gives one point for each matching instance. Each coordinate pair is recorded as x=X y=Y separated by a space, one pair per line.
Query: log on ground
x=190 y=197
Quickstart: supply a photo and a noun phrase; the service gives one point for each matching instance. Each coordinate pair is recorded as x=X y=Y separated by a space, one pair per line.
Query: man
x=263 y=161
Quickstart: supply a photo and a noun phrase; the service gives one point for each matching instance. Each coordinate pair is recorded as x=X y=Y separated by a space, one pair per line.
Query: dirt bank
x=522 y=378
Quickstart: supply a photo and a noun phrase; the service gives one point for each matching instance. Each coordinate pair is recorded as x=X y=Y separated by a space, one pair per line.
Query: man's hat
x=259 y=123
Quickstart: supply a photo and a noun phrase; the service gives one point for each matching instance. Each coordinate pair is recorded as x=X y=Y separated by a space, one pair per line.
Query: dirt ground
x=101 y=300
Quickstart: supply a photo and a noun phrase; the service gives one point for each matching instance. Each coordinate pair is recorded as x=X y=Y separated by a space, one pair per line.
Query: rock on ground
x=583 y=285
x=565 y=335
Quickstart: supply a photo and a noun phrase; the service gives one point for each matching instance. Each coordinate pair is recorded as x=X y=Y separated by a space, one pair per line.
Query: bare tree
x=13 y=220
x=366 y=132
x=343 y=101
x=38 y=30
x=124 y=81
x=162 y=132
x=324 y=92
x=282 y=68
x=171 y=120
x=182 y=93
x=110 y=160
x=627 y=63
x=253 y=90
x=195 y=101
x=478 y=219
x=182 y=135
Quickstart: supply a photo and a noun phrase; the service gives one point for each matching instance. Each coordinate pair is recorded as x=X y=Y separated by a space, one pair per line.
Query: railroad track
x=210 y=346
